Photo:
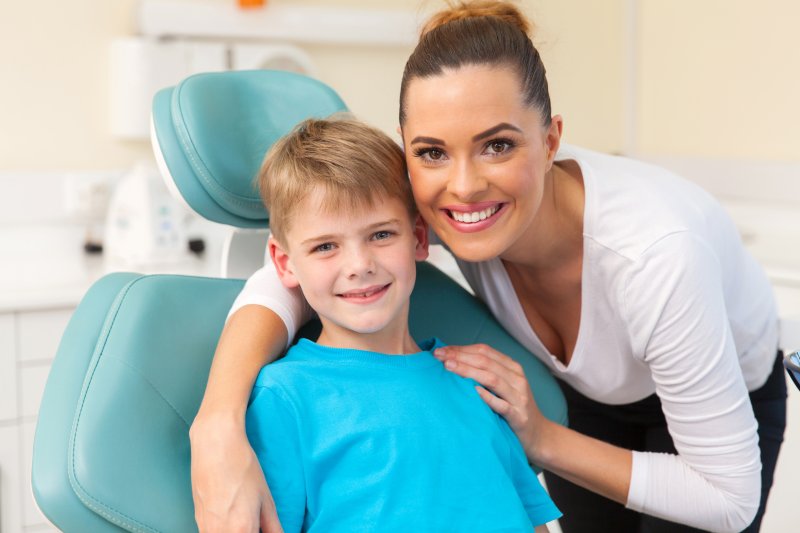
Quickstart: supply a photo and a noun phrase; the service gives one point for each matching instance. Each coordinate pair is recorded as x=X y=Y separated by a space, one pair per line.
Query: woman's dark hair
x=492 y=33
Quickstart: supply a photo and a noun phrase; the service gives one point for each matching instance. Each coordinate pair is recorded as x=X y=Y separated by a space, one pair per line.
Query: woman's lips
x=473 y=217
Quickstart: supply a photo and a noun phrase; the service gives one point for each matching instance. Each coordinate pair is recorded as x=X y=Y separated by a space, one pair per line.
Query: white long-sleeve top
x=671 y=303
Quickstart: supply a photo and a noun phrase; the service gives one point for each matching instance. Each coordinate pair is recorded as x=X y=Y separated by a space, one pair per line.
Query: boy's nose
x=466 y=181
x=360 y=263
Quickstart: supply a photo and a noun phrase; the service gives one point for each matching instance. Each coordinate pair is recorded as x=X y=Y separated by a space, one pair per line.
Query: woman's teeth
x=475 y=216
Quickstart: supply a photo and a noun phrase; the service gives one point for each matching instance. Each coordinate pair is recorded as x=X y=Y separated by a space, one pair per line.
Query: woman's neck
x=554 y=240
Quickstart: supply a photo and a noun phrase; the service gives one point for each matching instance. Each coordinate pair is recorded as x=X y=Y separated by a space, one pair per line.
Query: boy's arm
x=537 y=502
x=273 y=432
x=541 y=529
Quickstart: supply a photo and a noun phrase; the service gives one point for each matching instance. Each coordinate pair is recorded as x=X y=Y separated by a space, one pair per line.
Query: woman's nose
x=466 y=181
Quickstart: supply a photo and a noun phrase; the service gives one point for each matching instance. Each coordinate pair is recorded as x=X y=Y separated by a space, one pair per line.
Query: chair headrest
x=211 y=131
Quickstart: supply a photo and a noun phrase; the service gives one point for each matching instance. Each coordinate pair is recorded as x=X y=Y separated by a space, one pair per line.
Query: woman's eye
x=499 y=146
x=430 y=154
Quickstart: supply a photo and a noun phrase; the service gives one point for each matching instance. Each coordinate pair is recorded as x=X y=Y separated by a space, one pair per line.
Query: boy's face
x=356 y=269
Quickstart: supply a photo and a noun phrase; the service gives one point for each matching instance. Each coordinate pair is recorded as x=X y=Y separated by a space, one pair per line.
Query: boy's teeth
x=475 y=216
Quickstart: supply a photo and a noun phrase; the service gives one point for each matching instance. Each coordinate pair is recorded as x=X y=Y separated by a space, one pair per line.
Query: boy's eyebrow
x=482 y=135
x=330 y=236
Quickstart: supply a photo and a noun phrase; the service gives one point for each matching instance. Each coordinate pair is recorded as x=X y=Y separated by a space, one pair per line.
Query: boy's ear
x=421 y=234
x=283 y=264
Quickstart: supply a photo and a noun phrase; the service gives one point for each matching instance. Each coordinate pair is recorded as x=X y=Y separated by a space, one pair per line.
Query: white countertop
x=45 y=267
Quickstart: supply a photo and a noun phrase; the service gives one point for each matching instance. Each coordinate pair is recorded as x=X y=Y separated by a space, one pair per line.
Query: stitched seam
x=198 y=164
x=88 y=500
x=152 y=386
x=83 y=494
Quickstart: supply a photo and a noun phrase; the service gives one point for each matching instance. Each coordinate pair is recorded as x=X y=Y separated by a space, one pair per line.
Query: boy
x=349 y=437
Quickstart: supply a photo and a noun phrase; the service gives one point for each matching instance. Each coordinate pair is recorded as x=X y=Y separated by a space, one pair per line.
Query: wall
x=54 y=65
x=53 y=97
x=719 y=78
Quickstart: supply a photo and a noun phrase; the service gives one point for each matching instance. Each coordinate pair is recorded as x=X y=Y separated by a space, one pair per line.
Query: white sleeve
x=675 y=307
x=264 y=288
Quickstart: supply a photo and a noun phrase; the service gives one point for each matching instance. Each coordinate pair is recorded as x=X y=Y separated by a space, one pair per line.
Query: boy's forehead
x=313 y=215
x=319 y=202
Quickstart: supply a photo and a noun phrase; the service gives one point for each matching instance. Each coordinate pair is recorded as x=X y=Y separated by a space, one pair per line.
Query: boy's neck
x=386 y=341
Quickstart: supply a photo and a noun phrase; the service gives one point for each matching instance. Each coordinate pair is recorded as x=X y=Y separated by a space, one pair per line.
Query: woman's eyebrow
x=495 y=129
x=482 y=135
x=427 y=140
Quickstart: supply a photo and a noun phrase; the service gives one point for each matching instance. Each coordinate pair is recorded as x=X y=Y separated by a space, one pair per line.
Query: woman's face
x=477 y=158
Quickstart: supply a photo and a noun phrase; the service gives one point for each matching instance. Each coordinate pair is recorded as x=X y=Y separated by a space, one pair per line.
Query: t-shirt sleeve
x=273 y=434
x=264 y=288
x=675 y=308
x=540 y=507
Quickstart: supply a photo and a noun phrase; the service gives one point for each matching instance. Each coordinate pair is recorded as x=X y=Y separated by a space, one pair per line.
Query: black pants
x=641 y=426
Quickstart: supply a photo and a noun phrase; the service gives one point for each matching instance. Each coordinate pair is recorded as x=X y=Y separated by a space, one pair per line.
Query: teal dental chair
x=111 y=450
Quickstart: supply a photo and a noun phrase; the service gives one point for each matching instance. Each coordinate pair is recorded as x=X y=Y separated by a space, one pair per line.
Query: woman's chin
x=472 y=250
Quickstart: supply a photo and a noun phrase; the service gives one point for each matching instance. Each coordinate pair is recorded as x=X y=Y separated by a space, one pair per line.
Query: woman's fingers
x=269 y=517
x=489 y=367
x=498 y=405
x=481 y=356
x=228 y=485
x=503 y=385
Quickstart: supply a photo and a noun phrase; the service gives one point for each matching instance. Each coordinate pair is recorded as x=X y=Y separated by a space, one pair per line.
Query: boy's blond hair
x=352 y=163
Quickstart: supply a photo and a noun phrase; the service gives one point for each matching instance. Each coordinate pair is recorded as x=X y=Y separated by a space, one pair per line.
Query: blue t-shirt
x=353 y=441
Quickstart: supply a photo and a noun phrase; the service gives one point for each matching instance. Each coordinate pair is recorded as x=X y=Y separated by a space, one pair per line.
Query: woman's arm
x=228 y=486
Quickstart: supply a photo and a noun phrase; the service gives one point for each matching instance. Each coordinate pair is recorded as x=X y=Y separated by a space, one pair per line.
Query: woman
x=629 y=283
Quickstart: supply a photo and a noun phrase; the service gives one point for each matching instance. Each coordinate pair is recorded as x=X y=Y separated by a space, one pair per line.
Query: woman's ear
x=421 y=235
x=283 y=264
x=553 y=138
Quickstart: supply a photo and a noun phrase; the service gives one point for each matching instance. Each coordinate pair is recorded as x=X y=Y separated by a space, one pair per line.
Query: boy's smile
x=356 y=269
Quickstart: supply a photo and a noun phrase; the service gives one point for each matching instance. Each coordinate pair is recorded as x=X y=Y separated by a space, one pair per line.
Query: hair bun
x=479 y=8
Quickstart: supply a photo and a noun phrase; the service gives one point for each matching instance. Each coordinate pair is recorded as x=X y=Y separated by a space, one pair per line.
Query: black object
x=792 y=365
x=197 y=246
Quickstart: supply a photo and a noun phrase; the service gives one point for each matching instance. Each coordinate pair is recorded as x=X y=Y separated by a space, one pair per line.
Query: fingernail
x=450 y=364
x=438 y=353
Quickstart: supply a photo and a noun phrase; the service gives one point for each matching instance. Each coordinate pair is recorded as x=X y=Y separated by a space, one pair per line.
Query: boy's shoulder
x=282 y=371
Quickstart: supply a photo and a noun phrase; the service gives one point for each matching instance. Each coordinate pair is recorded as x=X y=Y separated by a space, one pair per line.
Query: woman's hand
x=229 y=490
x=504 y=388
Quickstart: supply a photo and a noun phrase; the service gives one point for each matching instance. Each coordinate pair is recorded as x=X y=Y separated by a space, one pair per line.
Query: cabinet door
x=40 y=333
x=10 y=481
x=8 y=369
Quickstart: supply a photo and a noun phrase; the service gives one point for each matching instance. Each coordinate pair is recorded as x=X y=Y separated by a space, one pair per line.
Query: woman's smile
x=474 y=217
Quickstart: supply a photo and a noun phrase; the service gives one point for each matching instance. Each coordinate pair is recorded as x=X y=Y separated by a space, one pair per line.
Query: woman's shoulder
x=631 y=205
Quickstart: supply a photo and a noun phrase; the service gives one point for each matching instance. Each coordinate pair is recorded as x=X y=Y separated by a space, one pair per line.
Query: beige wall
x=720 y=78
x=54 y=61
x=53 y=95
x=714 y=78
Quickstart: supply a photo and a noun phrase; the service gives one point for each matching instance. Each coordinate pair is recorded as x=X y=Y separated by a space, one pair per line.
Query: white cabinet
x=8 y=381
x=28 y=343
x=10 y=482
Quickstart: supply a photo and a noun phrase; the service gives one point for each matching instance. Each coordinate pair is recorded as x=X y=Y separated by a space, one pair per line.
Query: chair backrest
x=111 y=450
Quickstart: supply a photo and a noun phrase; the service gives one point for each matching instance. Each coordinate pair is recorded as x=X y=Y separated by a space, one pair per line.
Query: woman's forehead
x=473 y=98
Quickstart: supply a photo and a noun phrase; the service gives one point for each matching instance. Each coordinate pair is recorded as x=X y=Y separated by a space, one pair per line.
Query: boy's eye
x=324 y=247
x=381 y=235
